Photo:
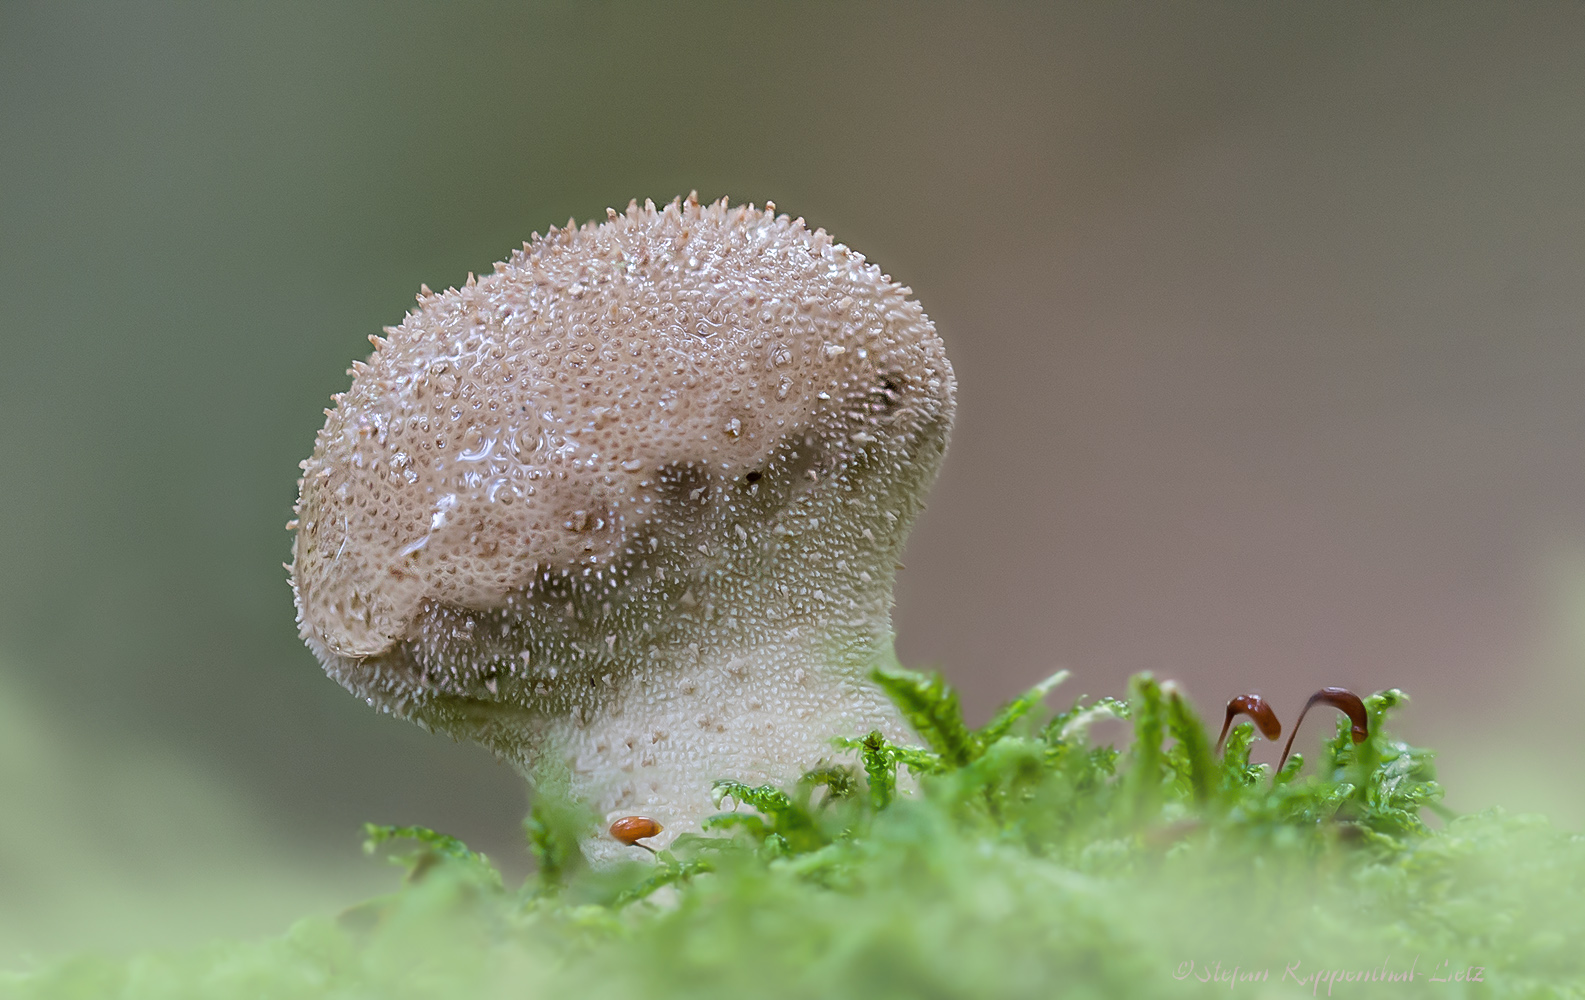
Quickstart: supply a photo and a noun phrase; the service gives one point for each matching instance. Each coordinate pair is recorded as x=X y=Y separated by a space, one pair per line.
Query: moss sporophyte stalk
x=628 y=512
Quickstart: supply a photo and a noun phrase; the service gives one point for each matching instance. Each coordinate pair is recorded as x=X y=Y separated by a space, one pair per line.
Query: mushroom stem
x=667 y=733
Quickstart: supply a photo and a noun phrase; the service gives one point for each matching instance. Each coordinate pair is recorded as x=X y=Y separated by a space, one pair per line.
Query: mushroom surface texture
x=628 y=510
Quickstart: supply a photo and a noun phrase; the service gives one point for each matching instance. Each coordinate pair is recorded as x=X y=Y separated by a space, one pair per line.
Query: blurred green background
x=1267 y=317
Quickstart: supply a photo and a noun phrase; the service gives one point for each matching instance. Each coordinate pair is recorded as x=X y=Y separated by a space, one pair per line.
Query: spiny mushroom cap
x=548 y=419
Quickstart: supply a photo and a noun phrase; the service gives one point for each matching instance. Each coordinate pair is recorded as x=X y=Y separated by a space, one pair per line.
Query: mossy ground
x=1030 y=862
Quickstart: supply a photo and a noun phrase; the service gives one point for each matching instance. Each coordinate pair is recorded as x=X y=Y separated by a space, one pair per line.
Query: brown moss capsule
x=1254 y=706
x=1344 y=701
x=632 y=829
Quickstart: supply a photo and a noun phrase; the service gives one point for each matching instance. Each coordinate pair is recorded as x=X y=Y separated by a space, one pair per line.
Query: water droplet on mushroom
x=479 y=454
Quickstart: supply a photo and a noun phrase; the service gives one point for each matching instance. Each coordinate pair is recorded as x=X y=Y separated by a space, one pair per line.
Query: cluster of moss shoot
x=1016 y=859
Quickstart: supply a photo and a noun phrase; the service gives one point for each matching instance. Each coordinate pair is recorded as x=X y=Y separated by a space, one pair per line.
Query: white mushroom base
x=758 y=716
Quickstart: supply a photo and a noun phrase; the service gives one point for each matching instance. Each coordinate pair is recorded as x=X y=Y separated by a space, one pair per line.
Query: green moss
x=1030 y=862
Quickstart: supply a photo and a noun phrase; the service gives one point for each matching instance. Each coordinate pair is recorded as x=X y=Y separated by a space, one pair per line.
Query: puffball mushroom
x=628 y=510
